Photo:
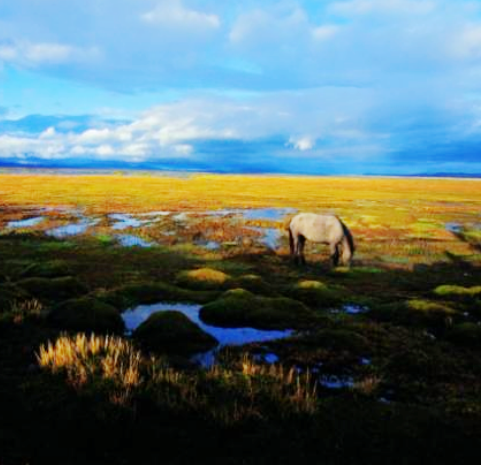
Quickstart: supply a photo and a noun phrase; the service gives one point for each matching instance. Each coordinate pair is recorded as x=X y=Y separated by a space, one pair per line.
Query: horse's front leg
x=294 y=245
x=334 y=248
x=301 y=243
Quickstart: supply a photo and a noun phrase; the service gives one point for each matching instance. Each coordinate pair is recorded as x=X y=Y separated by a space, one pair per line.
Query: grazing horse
x=327 y=229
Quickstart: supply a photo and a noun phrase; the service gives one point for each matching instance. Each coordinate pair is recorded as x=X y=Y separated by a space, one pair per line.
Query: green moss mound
x=416 y=312
x=430 y=307
x=86 y=314
x=255 y=284
x=172 y=332
x=57 y=289
x=49 y=269
x=241 y=308
x=148 y=293
x=203 y=279
x=315 y=294
x=458 y=291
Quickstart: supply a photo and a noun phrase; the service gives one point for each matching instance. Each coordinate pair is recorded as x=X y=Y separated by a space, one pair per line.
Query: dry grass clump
x=87 y=359
x=25 y=309
x=111 y=365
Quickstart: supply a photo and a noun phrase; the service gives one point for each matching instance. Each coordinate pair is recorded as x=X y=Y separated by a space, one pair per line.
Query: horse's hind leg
x=334 y=248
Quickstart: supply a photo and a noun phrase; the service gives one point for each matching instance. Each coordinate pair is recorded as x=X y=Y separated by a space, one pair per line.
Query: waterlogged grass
x=405 y=370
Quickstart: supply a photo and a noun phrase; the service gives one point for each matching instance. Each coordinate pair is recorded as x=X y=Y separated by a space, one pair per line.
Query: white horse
x=326 y=229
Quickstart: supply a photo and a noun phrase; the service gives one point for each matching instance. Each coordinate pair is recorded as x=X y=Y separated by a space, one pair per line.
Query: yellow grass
x=85 y=357
x=397 y=220
x=88 y=360
x=207 y=274
x=105 y=193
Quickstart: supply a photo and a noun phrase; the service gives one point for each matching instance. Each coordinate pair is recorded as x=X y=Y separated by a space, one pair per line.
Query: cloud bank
x=347 y=86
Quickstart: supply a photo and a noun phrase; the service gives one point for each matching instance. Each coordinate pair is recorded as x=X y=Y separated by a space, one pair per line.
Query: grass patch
x=241 y=308
x=173 y=332
x=454 y=290
x=203 y=278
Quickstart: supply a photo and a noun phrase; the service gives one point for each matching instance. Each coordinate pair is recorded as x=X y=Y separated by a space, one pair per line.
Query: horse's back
x=317 y=228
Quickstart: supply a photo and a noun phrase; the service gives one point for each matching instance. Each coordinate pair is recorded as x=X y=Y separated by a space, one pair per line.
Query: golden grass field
x=399 y=217
x=369 y=195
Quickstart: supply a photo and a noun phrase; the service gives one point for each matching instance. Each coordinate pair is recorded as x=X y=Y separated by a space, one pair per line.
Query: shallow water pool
x=226 y=336
x=27 y=223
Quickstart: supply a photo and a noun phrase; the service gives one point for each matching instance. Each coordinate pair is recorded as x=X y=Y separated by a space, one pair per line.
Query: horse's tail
x=347 y=241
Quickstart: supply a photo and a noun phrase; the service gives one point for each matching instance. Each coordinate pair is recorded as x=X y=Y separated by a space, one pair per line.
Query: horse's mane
x=348 y=236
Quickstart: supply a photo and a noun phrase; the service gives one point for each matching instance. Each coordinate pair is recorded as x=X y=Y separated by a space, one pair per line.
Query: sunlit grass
x=393 y=220
x=87 y=358
x=113 y=365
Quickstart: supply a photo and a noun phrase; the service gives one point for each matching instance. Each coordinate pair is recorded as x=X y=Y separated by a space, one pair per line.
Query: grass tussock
x=229 y=393
x=87 y=359
x=21 y=310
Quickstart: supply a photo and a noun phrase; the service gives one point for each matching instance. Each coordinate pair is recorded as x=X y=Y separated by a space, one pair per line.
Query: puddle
x=72 y=229
x=269 y=358
x=28 y=223
x=124 y=221
x=226 y=336
x=270 y=238
x=273 y=214
x=128 y=240
x=336 y=382
x=209 y=245
x=350 y=309
x=454 y=227
x=157 y=213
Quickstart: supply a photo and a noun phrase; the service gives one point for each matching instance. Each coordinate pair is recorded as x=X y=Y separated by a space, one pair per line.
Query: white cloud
x=27 y=53
x=360 y=7
x=173 y=14
x=302 y=144
x=260 y=26
x=325 y=32
x=173 y=130
x=467 y=43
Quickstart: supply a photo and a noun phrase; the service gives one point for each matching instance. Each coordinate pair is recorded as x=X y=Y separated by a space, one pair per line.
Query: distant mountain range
x=33 y=164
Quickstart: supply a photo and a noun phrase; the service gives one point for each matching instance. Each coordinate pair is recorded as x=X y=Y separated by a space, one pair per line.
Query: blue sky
x=318 y=86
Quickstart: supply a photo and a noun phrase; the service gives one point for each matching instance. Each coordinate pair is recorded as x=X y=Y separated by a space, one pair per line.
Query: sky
x=295 y=86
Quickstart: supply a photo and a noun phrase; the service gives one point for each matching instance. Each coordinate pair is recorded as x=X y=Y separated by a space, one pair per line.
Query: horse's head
x=347 y=255
x=347 y=246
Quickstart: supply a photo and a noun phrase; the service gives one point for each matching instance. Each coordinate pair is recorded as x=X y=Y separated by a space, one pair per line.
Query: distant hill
x=179 y=165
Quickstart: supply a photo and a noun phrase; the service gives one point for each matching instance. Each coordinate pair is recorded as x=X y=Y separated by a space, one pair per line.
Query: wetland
x=147 y=319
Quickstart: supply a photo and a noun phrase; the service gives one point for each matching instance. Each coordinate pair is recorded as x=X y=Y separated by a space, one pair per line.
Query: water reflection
x=72 y=229
x=29 y=222
x=226 y=336
x=129 y=240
